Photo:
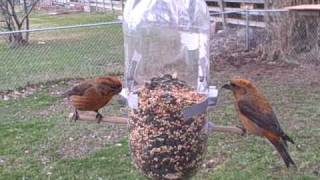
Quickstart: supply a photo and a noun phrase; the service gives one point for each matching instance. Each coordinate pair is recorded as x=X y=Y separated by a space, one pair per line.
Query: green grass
x=72 y=53
x=38 y=142
x=21 y=132
x=42 y=19
x=31 y=142
x=112 y=162
x=15 y=110
x=298 y=110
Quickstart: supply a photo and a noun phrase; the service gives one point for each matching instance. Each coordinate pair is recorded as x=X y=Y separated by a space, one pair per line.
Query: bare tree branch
x=5 y=8
x=17 y=18
x=32 y=6
x=13 y=12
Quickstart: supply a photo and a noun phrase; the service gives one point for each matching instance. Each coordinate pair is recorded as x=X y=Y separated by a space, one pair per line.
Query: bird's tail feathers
x=287 y=138
x=281 y=148
x=68 y=93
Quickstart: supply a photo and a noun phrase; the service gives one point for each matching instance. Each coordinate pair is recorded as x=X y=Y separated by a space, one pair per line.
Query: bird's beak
x=226 y=86
x=117 y=90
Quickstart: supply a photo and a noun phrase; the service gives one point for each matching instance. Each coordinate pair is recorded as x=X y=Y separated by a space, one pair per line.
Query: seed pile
x=163 y=144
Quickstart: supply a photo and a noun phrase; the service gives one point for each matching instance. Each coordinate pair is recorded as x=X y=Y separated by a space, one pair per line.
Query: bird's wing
x=80 y=89
x=104 y=89
x=265 y=120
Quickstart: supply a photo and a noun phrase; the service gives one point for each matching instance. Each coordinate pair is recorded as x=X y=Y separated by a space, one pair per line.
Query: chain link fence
x=54 y=54
x=84 y=51
x=274 y=36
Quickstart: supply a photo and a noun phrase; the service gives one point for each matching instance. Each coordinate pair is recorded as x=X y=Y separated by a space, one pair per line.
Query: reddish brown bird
x=257 y=116
x=93 y=94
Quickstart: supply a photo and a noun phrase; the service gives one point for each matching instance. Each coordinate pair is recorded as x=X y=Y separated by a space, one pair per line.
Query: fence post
x=96 y=5
x=112 y=8
x=121 y=3
x=224 y=23
x=247 y=29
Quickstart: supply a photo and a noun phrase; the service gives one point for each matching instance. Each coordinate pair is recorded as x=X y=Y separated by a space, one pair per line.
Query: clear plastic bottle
x=166 y=82
x=166 y=37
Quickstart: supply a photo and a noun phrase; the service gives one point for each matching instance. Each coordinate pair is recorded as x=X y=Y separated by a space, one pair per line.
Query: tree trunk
x=27 y=28
x=16 y=20
x=26 y=21
x=18 y=40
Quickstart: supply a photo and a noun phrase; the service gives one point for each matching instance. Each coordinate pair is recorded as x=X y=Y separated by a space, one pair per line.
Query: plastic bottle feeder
x=166 y=85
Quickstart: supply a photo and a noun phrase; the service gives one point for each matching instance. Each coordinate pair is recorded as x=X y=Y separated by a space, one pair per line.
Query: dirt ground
x=229 y=57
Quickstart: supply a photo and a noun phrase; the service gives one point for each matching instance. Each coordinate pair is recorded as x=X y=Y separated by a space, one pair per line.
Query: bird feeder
x=166 y=85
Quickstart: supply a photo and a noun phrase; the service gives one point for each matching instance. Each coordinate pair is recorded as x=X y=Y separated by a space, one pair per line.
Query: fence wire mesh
x=267 y=35
x=91 y=50
x=39 y=142
x=61 y=53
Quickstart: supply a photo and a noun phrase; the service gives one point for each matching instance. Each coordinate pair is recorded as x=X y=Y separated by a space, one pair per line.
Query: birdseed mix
x=163 y=144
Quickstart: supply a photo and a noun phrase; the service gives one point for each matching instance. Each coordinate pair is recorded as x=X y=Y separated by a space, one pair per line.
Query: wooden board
x=240 y=22
x=237 y=7
x=240 y=1
x=308 y=7
x=247 y=6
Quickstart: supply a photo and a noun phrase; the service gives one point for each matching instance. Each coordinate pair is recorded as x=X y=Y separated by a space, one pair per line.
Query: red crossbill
x=93 y=94
x=257 y=116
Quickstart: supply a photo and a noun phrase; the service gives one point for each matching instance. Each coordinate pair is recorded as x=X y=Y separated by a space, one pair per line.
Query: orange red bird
x=257 y=116
x=93 y=94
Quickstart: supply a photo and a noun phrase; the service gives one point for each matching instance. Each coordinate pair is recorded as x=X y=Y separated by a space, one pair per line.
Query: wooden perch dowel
x=123 y=120
x=105 y=119
x=228 y=129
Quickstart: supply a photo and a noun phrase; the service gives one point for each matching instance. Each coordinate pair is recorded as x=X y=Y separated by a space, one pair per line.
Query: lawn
x=39 y=142
x=43 y=20
x=60 y=54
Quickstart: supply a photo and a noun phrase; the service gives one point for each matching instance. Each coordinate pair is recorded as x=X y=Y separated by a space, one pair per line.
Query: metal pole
x=247 y=29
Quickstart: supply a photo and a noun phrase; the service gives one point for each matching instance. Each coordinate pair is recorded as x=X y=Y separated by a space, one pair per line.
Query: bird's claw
x=244 y=131
x=99 y=117
x=75 y=116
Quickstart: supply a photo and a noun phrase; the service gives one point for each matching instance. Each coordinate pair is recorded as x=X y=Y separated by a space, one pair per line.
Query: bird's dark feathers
x=78 y=90
x=264 y=120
